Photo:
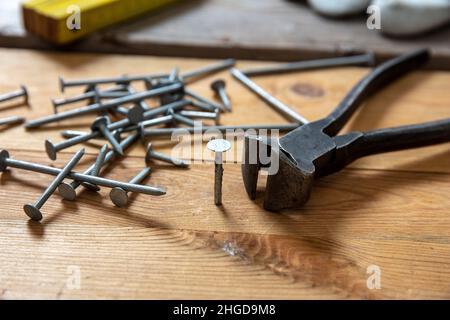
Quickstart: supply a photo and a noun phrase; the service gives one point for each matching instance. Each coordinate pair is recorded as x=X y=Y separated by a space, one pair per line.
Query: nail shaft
x=204 y=100
x=52 y=148
x=33 y=210
x=208 y=70
x=125 y=144
x=11 y=120
x=81 y=177
x=96 y=107
x=198 y=114
x=119 y=196
x=364 y=59
x=23 y=92
x=123 y=79
x=278 y=105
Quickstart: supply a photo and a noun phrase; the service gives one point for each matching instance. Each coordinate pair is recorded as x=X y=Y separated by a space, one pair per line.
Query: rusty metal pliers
x=313 y=150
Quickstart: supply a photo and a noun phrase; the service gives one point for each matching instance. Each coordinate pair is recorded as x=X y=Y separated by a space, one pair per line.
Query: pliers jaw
x=288 y=185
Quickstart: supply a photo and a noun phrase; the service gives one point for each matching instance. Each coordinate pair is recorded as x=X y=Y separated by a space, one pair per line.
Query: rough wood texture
x=388 y=210
x=245 y=29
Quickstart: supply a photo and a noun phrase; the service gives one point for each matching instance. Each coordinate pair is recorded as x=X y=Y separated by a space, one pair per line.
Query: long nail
x=123 y=79
x=23 y=92
x=34 y=210
x=101 y=124
x=5 y=162
x=208 y=70
x=204 y=100
x=97 y=107
x=152 y=154
x=218 y=146
x=358 y=60
x=272 y=101
x=11 y=120
x=119 y=196
x=218 y=87
x=69 y=191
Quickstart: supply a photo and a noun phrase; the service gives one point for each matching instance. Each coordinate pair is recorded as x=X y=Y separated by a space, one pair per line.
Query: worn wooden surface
x=245 y=29
x=387 y=210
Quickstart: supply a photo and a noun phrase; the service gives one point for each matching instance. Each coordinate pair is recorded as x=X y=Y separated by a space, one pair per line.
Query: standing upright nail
x=33 y=210
x=152 y=154
x=218 y=146
x=119 y=196
x=101 y=124
x=23 y=92
x=218 y=87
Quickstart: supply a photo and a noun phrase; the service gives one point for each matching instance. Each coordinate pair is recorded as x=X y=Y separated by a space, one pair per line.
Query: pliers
x=315 y=150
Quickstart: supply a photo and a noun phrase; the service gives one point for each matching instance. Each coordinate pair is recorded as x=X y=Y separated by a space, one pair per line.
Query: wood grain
x=388 y=210
x=244 y=29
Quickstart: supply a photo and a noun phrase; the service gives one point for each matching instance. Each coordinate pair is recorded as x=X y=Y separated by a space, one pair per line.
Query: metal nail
x=272 y=101
x=119 y=196
x=23 y=92
x=70 y=190
x=123 y=79
x=200 y=114
x=6 y=161
x=193 y=75
x=66 y=190
x=218 y=87
x=202 y=129
x=364 y=59
x=181 y=119
x=152 y=154
x=203 y=106
x=204 y=100
x=96 y=107
x=105 y=94
x=156 y=121
x=136 y=114
x=101 y=124
x=11 y=120
x=123 y=125
x=218 y=146
x=34 y=210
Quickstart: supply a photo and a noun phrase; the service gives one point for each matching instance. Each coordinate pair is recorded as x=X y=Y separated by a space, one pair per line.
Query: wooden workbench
x=388 y=210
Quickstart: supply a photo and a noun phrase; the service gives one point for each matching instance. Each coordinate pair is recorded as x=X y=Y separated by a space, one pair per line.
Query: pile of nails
x=176 y=104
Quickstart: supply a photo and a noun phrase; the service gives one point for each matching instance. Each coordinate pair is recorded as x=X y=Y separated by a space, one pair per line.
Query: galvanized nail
x=23 y=92
x=97 y=107
x=11 y=120
x=218 y=87
x=218 y=146
x=272 y=101
x=119 y=196
x=152 y=154
x=101 y=124
x=6 y=161
x=358 y=60
x=34 y=210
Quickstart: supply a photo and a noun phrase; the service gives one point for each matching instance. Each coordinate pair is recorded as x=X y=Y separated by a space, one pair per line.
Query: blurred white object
x=339 y=8
x=410 y=17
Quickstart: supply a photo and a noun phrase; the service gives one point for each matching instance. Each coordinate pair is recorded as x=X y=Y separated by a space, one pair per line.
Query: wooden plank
x=242 y=29
x=387 y=210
